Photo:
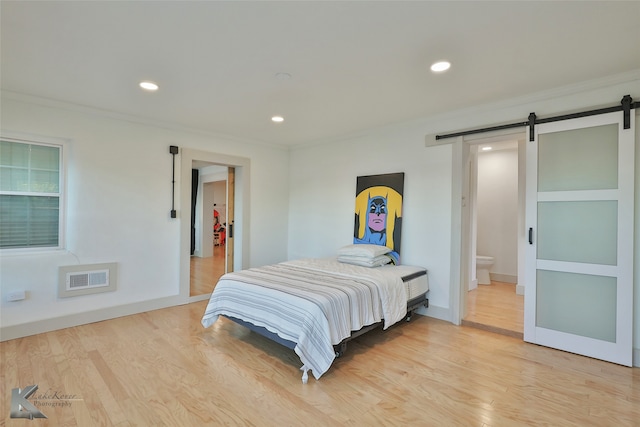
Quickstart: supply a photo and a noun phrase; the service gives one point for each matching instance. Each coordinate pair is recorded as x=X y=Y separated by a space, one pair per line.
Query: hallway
x=205 y=272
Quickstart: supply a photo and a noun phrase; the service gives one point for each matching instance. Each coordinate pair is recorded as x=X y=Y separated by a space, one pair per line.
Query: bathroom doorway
x=496 y=215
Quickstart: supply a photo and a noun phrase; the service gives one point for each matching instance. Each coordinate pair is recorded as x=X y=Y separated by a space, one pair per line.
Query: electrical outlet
x=16 y=296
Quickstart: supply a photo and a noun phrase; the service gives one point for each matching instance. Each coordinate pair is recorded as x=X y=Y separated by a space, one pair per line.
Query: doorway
x=208 y=260
x=237 y=209
x=492 y=224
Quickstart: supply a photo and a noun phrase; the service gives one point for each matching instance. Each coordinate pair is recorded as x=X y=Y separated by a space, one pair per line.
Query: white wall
x=322 y=199
x=497 y=209
x=220 y=200
x=118 y=205
x=204 y=245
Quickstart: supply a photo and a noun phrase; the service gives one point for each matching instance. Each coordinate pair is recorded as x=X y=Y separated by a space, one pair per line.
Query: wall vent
x=86 y=279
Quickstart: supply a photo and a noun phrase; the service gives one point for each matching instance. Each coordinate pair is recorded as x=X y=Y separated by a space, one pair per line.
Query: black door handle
x=531 y=235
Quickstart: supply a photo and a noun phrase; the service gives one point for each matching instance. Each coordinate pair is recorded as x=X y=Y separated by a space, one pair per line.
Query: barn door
x=579 y=267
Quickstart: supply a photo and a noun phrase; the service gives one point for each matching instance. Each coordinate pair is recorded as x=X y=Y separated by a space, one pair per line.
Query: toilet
x=483 y=265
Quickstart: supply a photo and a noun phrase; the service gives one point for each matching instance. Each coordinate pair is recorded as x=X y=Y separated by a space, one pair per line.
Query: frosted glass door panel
x=584 y=231
x=578 y=304
x=580 y=159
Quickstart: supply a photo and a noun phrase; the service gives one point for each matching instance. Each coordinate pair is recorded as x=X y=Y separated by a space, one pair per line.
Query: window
x=30 y=194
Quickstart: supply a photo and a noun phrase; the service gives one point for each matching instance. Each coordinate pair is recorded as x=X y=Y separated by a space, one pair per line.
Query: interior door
x=579 y=219
x=231 y=184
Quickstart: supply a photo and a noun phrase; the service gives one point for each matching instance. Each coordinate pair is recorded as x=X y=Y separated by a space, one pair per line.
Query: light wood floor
x=205 y=272
x=496 y=307
x=162 y=368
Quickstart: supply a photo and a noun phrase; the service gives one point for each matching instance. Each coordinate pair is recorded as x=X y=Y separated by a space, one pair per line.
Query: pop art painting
x=378 y=215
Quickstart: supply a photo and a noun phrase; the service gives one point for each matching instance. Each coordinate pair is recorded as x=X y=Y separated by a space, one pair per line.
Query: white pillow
x=364 y=250
x=365 y=261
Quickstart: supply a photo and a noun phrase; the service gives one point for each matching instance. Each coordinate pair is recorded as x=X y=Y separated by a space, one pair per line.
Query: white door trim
x=462 y=246
x=242 y=217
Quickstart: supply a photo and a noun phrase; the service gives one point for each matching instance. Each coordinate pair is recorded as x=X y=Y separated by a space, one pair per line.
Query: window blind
x=29 y=195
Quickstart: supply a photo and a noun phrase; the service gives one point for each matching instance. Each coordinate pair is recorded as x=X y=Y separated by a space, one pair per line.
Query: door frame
x=462 y=245
x=457 y=298
x=231 y=212
x=242 y=212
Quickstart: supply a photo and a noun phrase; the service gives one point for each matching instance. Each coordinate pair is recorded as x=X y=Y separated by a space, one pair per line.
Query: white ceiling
x=355 y=65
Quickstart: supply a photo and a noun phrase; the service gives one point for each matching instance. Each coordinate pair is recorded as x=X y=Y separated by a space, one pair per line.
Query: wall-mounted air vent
x=86 y=279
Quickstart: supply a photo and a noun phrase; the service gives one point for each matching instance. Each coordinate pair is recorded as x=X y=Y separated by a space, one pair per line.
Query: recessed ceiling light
x=486 y=148
x=147 y=85
x=277 y=119
x=440 y=66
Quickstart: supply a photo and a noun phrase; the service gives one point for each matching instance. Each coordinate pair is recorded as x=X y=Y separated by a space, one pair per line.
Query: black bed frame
x=341 y=348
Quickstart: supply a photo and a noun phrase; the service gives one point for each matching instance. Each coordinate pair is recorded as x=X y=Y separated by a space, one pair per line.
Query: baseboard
x=505 y=278
x=197 y=298
x=436 y=312
x=71 y=320
x=519 y=289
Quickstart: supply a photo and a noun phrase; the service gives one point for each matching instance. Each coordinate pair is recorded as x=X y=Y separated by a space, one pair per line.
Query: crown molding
x=54 y=103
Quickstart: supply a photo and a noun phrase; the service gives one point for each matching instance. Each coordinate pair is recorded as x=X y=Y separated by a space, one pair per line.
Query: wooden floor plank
x=205 y=272
x=496 y=308
x=163 y=368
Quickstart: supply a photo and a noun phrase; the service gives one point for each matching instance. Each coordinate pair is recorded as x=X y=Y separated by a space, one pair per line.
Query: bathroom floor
x=496 y=307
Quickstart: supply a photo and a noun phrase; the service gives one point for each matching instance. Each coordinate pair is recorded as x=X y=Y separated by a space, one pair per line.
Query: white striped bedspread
x=315 y=303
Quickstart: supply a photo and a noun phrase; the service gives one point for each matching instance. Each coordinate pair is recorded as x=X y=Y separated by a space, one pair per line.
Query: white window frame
x=62 y=144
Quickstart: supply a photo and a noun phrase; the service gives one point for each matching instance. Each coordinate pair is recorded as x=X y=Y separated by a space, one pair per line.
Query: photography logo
x=21 y=407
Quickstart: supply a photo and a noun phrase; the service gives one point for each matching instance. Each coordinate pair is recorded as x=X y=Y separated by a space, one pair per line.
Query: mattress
x=414 y=278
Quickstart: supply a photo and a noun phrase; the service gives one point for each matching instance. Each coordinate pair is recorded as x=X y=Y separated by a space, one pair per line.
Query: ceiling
x=354 y=65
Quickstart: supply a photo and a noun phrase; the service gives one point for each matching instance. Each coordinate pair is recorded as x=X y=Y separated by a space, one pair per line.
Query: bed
x=315 y=306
